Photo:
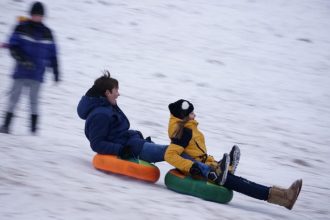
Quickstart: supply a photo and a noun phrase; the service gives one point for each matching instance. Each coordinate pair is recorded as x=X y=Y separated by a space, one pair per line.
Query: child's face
x=192 y=116
x=37 y=18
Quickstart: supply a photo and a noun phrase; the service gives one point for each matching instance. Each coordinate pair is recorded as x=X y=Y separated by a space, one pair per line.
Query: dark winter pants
x=241 y=185
x=246 y=187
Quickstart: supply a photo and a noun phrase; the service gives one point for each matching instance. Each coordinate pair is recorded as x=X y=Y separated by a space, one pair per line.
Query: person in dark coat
x=108 y=129
x=33 y=47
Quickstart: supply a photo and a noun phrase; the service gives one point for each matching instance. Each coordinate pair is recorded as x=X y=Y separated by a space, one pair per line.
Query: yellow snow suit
x=192 y=144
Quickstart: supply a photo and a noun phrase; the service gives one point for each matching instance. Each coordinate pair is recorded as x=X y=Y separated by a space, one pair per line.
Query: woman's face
x=192 y=116
x=112 y=95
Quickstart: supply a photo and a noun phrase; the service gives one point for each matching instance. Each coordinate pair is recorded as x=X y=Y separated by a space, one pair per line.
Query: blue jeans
x=153 y=153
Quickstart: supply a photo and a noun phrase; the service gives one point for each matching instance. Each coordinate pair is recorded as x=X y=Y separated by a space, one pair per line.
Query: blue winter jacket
x=32 y=46
x=107 y=127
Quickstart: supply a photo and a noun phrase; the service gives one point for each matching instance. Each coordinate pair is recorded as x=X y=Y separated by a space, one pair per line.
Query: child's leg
x=246 y=187
x=276 y=195
x=34 y=103
x=15 y=94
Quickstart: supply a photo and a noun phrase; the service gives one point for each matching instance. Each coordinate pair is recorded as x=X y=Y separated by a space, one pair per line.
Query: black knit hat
x=37 y=9
x=181 y=108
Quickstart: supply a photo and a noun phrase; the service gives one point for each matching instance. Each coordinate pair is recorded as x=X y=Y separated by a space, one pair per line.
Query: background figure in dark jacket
x=108 y=129
x=33 y=48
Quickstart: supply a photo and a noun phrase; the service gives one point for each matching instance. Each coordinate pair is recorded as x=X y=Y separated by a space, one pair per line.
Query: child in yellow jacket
x=187 y=152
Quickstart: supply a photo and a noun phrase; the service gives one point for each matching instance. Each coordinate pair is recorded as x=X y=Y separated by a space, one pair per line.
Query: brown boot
x=285 y=197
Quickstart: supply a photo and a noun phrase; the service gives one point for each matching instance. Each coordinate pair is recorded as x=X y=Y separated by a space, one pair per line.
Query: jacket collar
x=172 y=126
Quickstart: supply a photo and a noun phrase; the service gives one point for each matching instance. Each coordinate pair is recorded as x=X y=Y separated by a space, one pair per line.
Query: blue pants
x=152 y=152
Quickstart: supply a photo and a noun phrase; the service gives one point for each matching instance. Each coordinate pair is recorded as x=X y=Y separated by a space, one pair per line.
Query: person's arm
x=176 y=148
x=14 y=45
x=98 y=130
x=16 y=53
x=53 y=56
x=54 y=64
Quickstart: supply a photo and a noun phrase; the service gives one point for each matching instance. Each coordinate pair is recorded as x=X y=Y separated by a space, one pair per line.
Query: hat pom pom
x=184 y=105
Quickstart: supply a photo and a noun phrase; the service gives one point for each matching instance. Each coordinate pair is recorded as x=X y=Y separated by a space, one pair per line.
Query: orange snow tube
x=135 y=168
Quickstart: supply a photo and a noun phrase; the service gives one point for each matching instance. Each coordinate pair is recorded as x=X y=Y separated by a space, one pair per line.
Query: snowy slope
x=258 y=75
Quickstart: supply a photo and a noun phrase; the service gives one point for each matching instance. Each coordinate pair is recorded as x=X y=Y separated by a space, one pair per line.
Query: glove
x=27 y=64
x=199 y=169
x=135 y=146
x=195 y=171
x=125 y=153
x=20 y=58
x=148 y=139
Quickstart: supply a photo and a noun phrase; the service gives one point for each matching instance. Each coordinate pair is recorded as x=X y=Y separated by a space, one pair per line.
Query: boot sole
x=296 y=197
x=235 y=155
x=225 y=171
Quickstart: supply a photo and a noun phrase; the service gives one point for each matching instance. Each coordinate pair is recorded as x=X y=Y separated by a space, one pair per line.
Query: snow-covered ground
x=257 y=71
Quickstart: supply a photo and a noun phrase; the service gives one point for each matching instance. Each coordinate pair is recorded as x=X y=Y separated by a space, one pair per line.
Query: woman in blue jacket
x=108 y=129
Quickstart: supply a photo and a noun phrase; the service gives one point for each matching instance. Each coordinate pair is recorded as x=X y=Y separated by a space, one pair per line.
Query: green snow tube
x=178 y=182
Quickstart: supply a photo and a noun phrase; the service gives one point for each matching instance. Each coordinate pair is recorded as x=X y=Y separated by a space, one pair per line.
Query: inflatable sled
x=135 y=168
x=178 y=182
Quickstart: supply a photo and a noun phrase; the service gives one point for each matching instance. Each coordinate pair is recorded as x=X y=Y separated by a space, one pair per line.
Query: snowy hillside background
x=257 y=71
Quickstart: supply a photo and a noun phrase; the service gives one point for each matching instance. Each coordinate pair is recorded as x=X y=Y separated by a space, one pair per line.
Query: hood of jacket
x=87 y=104
x=91 y=100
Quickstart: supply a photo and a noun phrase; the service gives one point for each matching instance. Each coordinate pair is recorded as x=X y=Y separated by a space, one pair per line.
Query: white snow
x=257 y=71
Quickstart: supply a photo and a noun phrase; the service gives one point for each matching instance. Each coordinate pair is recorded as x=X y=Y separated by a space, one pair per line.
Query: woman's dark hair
x=105 y=82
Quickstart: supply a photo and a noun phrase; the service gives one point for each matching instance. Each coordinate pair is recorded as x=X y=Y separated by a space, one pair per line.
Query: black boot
x=34 y=120
x=219 y=175
x=5 y=127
